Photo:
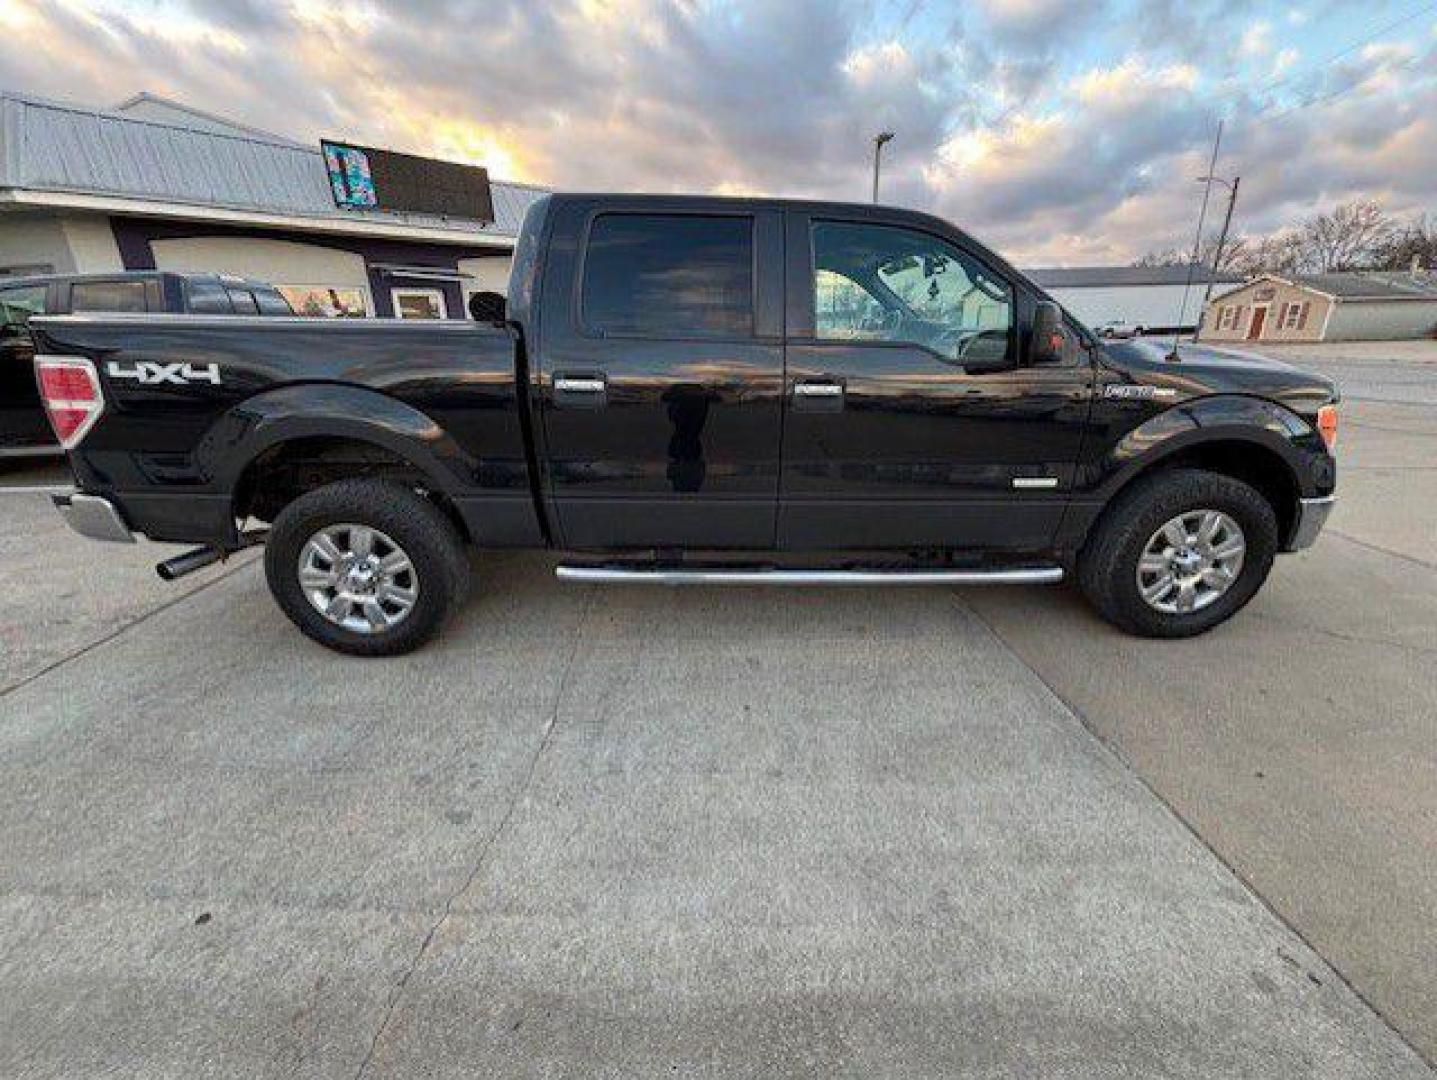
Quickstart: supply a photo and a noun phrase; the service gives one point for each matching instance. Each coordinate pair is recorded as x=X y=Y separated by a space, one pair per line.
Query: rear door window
x=108 y=296
x=669 y=276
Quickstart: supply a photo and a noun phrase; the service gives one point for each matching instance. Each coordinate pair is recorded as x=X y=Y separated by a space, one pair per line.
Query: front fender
x=328 y=410
x=1227 y=418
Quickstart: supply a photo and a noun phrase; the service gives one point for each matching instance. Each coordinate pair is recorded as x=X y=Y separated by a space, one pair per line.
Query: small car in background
x=1120 y=330
x=24 y=431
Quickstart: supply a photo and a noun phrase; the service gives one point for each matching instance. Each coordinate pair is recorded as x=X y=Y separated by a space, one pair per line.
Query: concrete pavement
x=1300 y=739
x=621 y=832
x=63 y=595
x=633 y=832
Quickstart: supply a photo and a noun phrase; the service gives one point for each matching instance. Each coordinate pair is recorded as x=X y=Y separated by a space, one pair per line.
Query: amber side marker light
x=1327 y=425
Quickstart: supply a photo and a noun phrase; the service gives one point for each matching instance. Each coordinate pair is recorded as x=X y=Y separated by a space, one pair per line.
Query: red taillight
x=70 y=389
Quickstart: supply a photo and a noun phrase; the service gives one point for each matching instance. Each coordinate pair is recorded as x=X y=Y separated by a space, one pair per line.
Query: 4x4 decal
x=152 y=373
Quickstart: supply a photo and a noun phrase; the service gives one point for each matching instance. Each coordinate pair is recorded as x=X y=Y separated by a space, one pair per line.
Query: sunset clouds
x=1062 y=131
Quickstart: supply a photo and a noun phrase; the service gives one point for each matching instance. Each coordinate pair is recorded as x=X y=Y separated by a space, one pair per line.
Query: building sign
x=349 y=176
x=363 y=178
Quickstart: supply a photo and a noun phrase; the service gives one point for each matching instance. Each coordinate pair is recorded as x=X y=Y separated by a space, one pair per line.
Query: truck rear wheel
x=1179 y=552
x=366 y=567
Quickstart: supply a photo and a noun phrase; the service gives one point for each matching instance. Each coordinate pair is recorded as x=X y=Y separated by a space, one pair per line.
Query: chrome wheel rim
x=358 y=578
x=1191 y=562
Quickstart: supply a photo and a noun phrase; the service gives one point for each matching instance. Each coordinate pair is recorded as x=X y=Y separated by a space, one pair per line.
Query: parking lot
x=641 y=832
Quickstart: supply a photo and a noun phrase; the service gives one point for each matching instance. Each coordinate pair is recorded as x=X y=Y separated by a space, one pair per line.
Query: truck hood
x=1202 y=370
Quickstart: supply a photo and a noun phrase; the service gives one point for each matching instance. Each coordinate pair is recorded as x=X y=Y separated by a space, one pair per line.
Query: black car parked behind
x=24 y=431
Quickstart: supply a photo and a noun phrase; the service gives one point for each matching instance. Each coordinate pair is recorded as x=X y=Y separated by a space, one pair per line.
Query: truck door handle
x=581 y=391
x=819 y=396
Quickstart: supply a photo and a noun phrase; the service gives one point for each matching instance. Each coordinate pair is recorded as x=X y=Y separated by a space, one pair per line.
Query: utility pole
x=1197 y=243
x=1221 y=240
x=878 y=141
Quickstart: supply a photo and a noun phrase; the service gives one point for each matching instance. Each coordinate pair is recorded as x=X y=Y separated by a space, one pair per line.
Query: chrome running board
x=616 y=575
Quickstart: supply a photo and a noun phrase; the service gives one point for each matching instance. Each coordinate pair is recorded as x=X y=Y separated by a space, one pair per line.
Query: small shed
x=1355 y=306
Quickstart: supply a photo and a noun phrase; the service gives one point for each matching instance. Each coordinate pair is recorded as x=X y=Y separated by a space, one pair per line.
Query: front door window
x=877 y=283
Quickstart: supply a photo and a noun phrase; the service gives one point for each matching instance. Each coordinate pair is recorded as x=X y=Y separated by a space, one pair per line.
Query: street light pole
x=878 y=141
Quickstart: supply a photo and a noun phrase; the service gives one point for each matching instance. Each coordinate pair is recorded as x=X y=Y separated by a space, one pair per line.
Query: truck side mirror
x=1046 y=344
x=488 y=307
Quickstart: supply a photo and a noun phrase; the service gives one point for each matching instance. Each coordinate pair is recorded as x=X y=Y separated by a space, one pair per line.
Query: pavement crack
x=1382 y=550
x=125 y=627
x=1353 y=639
x=486 y=849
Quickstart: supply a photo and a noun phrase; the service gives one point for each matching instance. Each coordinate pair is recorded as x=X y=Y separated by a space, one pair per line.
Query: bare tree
x=1357 y=235
x=1283 y=252
x=1348 y=237
x=1233 y=254
x=1170 y=257
x=1417 y=239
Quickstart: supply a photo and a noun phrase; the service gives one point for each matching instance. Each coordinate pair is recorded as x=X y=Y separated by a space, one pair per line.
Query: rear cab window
x=669 y=276
x=112 y=296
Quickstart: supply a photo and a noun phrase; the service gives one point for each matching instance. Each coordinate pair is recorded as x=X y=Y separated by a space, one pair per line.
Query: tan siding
x=1307 y=326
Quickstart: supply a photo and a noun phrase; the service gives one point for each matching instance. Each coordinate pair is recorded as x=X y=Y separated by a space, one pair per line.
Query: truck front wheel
x=365 y=566
x=1179 y=552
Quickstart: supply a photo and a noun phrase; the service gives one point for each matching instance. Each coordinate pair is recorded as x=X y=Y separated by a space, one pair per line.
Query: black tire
x=1108 y=563
x=430 y=540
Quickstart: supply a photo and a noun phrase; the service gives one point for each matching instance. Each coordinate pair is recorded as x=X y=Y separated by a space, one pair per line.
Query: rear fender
x=327 y=410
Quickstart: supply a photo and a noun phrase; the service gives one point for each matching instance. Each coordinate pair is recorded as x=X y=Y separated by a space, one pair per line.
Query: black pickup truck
x=699 y=390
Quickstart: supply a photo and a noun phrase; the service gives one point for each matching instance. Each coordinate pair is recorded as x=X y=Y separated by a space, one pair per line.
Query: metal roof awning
x=63 y=156
x=422 y=273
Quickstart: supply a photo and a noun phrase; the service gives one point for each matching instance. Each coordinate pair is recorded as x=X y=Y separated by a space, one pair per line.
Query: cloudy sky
x=1063 y=131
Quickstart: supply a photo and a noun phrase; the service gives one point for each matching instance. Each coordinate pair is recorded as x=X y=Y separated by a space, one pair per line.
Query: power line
x=1322 y=99
x=1347 y=50
x=1328 y=62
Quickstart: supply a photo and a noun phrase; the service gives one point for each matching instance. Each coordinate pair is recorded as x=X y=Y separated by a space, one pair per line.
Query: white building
x=1147 y=296
x=153 y=184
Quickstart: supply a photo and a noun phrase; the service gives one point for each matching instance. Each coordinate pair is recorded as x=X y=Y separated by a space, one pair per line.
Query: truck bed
x=189 y=401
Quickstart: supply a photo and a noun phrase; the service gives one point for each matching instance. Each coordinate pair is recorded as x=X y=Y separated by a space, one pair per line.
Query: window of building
x=419 y=304
x=324 y=301
x=669 y=275
x=1294 y=315
x=108 y=296
x=924 y=292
